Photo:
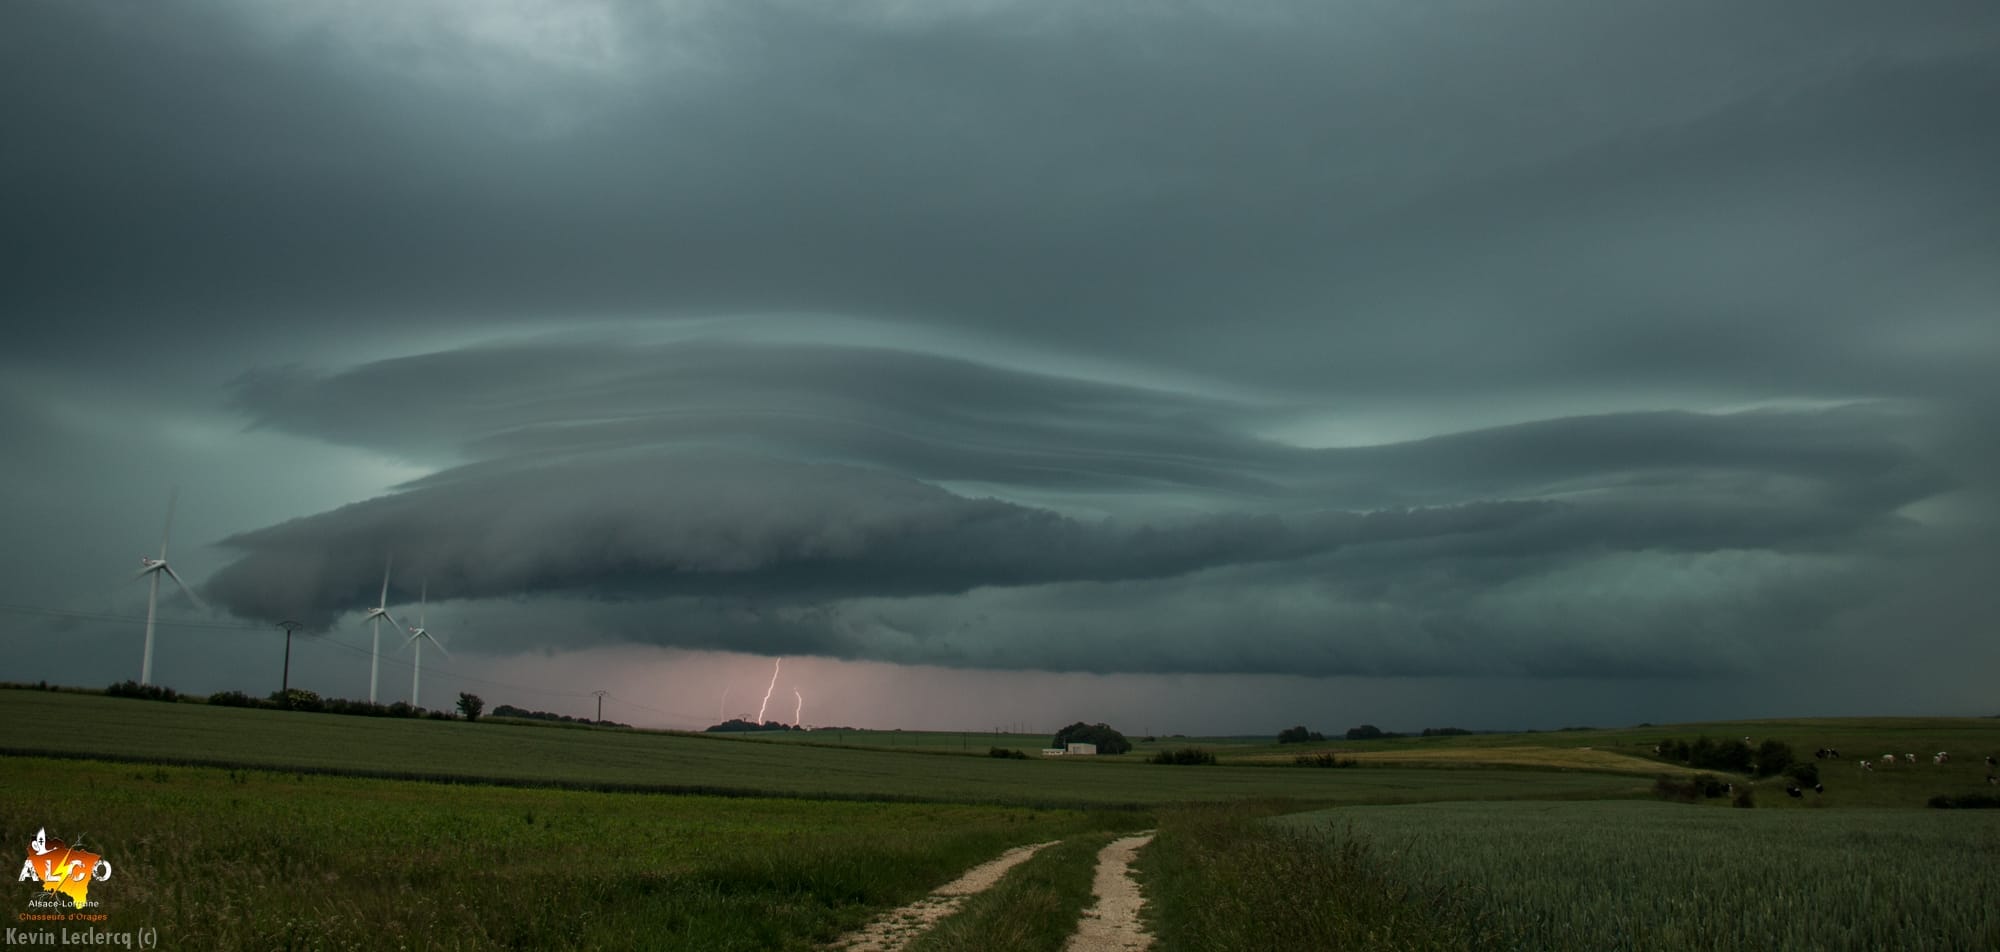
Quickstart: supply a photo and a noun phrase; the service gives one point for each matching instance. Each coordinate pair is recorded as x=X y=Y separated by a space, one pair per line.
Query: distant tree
x=1365 y=732
x=1725 y=755
x=1773 y=757
x=470 y=705
x=739 y=724
x=1445 y=731
x=1299 y=735
x=1107 y=739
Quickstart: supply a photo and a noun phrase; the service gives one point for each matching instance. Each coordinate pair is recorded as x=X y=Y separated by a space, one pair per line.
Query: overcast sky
x=1199 y=367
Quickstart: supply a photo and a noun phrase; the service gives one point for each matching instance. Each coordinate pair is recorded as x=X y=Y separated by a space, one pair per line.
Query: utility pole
x=285 y=687
x=600 y=705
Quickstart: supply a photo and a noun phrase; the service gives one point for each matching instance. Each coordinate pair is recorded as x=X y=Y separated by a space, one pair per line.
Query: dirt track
x=893 y=930
x=1112 y=925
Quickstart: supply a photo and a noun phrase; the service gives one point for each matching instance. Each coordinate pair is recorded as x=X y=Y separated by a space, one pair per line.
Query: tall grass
x=1225 y=880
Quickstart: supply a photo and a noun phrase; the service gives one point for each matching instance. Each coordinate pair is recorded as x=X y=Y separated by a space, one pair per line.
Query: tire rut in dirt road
x=1112 y=924
x=893 y=930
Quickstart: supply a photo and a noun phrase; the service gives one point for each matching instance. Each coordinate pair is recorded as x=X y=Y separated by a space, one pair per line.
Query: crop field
x=1548 y=758
x=90 y=725
x=247 y=828
x=1640 y=875
x=219 y=859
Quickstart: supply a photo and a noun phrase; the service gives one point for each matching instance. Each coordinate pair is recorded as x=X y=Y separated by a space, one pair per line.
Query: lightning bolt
x=775 y=664
x=801 y=709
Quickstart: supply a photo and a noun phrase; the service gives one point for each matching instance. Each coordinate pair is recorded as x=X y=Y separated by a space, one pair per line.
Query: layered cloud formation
x=1635 y=340
x=792 y=498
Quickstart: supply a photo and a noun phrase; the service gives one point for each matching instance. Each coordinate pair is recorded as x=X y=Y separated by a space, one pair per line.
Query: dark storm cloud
x=1598 y=223
x=942 y=418
x=782 y=531
x=1663 y=194
x=616 y=474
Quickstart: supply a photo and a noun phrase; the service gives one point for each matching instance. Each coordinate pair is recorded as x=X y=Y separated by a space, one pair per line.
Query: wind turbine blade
x=173 y=496
x=423 y=596
x=148 y=570
x=184 y=586
x=437 y=644
x=392 y=619
x=386 y=563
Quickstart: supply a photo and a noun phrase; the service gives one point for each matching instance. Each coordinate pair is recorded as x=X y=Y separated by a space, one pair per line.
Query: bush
x=440 y=715
x=1804 y=774
x=1690 y=789
x=1108 y=740
x=1745 y=797
x=335 y=705
x=1299 y=735
x=143 y=692
x=233 y=699
x=1189 y=756
x=1970 y=801
x=1365 y=732
x=1324 y=760
x=1005 y=753
x=297 y=699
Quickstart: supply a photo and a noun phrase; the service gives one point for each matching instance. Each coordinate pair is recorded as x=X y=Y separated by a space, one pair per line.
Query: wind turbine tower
x=375 y=616
x=156 y=568
x=417 y=637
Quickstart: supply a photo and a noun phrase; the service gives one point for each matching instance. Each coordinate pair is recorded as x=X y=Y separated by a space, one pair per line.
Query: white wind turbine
x=417 y=636
x=375 y=615
x=156 y=568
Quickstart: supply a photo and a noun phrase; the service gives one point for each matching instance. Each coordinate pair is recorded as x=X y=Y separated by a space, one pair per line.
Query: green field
x=218 y=859
x=1645 y=875
x=81 y=724
x=253 y=828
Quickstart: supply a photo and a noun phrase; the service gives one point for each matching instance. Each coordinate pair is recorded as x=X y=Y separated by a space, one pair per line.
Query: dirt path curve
x=1112 y=925
x=893 y=930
